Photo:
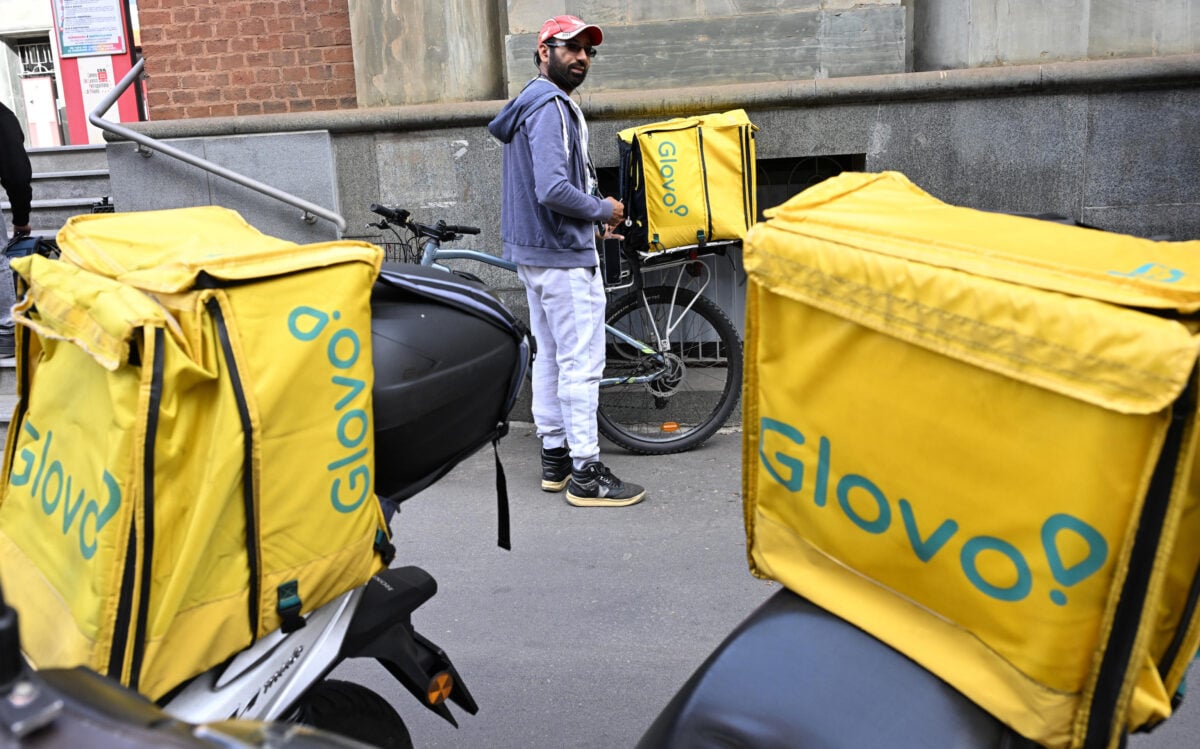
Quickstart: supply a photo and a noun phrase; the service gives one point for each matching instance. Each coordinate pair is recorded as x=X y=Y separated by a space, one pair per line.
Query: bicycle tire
x=683 y=409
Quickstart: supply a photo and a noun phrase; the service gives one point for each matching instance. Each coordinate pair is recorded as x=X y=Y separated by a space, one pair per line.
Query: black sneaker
x=556 y=468
x=596 y=486
x=8 y=346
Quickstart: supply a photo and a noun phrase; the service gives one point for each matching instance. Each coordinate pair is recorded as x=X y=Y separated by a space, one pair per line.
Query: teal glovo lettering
x=668 y=159
x=58 y=490
x=995 y=567
x=794 y=467
x=350 y=474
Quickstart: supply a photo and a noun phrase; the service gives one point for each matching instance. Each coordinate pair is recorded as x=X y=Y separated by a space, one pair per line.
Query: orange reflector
x=440 y=687
x=670 y=426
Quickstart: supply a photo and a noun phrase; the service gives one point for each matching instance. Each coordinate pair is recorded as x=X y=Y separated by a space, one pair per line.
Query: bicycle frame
x=432 y=254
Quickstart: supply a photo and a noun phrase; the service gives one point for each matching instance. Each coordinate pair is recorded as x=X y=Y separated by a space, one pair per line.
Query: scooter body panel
x=264 y=681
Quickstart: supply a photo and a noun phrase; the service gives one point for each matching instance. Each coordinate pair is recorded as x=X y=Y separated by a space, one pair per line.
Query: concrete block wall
x=683 y=43
x=220 y=58
x=949 y=34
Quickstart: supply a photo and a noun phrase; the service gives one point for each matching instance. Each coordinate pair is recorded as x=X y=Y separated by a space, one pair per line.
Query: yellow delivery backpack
x=973 y=436
x=189 y=465
x=688 y=181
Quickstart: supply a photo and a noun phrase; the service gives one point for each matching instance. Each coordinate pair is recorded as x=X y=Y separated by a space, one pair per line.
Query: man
x=549 y=218
x=16 y=176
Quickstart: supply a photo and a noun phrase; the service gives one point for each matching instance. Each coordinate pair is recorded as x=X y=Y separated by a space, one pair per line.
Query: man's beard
x=562 y=75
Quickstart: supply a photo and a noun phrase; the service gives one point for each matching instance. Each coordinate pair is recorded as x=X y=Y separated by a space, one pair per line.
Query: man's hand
x=20 y=231
x=618 y=214
x=609 y=233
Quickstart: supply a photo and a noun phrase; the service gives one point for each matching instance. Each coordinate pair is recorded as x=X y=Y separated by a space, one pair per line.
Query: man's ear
x=543 y=53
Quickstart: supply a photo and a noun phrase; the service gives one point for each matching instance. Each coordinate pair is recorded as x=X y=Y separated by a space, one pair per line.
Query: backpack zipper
x=128 y=621
x=249 y=500
x=704 y=186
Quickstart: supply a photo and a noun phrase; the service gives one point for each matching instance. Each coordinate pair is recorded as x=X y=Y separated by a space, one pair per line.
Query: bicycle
x=673 y=365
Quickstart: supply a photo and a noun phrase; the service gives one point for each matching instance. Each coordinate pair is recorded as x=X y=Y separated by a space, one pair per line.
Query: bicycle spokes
x=673 y=370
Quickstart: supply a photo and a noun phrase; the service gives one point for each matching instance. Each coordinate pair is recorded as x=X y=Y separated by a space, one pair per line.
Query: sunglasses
x=574 y=47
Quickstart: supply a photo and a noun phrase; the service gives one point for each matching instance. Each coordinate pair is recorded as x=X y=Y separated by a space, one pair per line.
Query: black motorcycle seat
x=794 y=675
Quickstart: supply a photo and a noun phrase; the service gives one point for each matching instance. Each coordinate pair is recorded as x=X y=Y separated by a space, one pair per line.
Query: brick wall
x=217 y=58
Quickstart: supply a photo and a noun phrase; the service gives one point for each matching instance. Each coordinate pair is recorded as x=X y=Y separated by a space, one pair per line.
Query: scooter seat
x=794 y=675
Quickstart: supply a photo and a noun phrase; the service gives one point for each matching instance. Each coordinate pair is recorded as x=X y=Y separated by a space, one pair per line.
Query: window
x=780 y=179
x=36 y=57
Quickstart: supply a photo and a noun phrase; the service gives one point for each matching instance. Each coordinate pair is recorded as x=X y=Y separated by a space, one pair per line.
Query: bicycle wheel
x=688 y=390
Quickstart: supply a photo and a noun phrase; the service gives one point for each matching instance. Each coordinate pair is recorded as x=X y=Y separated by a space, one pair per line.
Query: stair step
x=68 y=158
x=62 y=202
x=56 y=187
x=8 y=393
x=71 y=174
x=47 y=217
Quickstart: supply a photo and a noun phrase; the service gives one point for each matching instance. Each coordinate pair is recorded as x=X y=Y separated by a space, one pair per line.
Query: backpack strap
x=288 y=605
x=504 y=540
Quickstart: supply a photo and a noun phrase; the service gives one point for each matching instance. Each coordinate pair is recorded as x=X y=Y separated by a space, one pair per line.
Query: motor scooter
x=438 y=398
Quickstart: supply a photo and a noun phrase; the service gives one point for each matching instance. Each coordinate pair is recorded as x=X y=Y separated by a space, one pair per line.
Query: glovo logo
x=350 y=484
x=58 y=492
x=1156 y=272
x=865 y=505
x=666 y=172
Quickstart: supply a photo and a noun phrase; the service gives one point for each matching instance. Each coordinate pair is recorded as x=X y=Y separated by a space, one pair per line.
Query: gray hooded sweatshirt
x=547 y=215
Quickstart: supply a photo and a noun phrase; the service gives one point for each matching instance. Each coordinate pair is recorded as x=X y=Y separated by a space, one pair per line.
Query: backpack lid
x=166 y=251
x=1032 y=300
x=887 y=214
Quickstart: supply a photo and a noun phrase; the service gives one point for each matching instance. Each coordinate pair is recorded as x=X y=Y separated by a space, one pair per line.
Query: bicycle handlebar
x=441 y=231
x=399 y=215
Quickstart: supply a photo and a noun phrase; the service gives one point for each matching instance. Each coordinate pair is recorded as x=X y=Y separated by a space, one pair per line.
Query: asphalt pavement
x=581 y=634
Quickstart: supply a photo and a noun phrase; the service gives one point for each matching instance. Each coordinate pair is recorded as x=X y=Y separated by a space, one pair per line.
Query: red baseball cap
x=568 y=27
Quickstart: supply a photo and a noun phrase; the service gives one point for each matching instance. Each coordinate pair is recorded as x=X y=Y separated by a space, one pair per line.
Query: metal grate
x=36 y=58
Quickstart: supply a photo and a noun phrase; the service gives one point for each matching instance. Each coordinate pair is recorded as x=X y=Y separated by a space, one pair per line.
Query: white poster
x=90 y=27
x=96 y=80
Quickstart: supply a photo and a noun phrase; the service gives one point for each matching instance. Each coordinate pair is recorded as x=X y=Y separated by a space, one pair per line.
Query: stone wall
x=683 y=43
x=218 y=58
x=422 y=51
x=951 y=34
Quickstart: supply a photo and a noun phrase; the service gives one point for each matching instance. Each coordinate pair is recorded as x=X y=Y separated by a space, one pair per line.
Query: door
x=41 y=111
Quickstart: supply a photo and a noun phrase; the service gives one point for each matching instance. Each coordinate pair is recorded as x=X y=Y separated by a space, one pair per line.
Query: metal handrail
x=96 y=117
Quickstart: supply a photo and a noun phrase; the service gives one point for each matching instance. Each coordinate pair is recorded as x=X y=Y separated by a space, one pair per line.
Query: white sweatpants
x=566 y=316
